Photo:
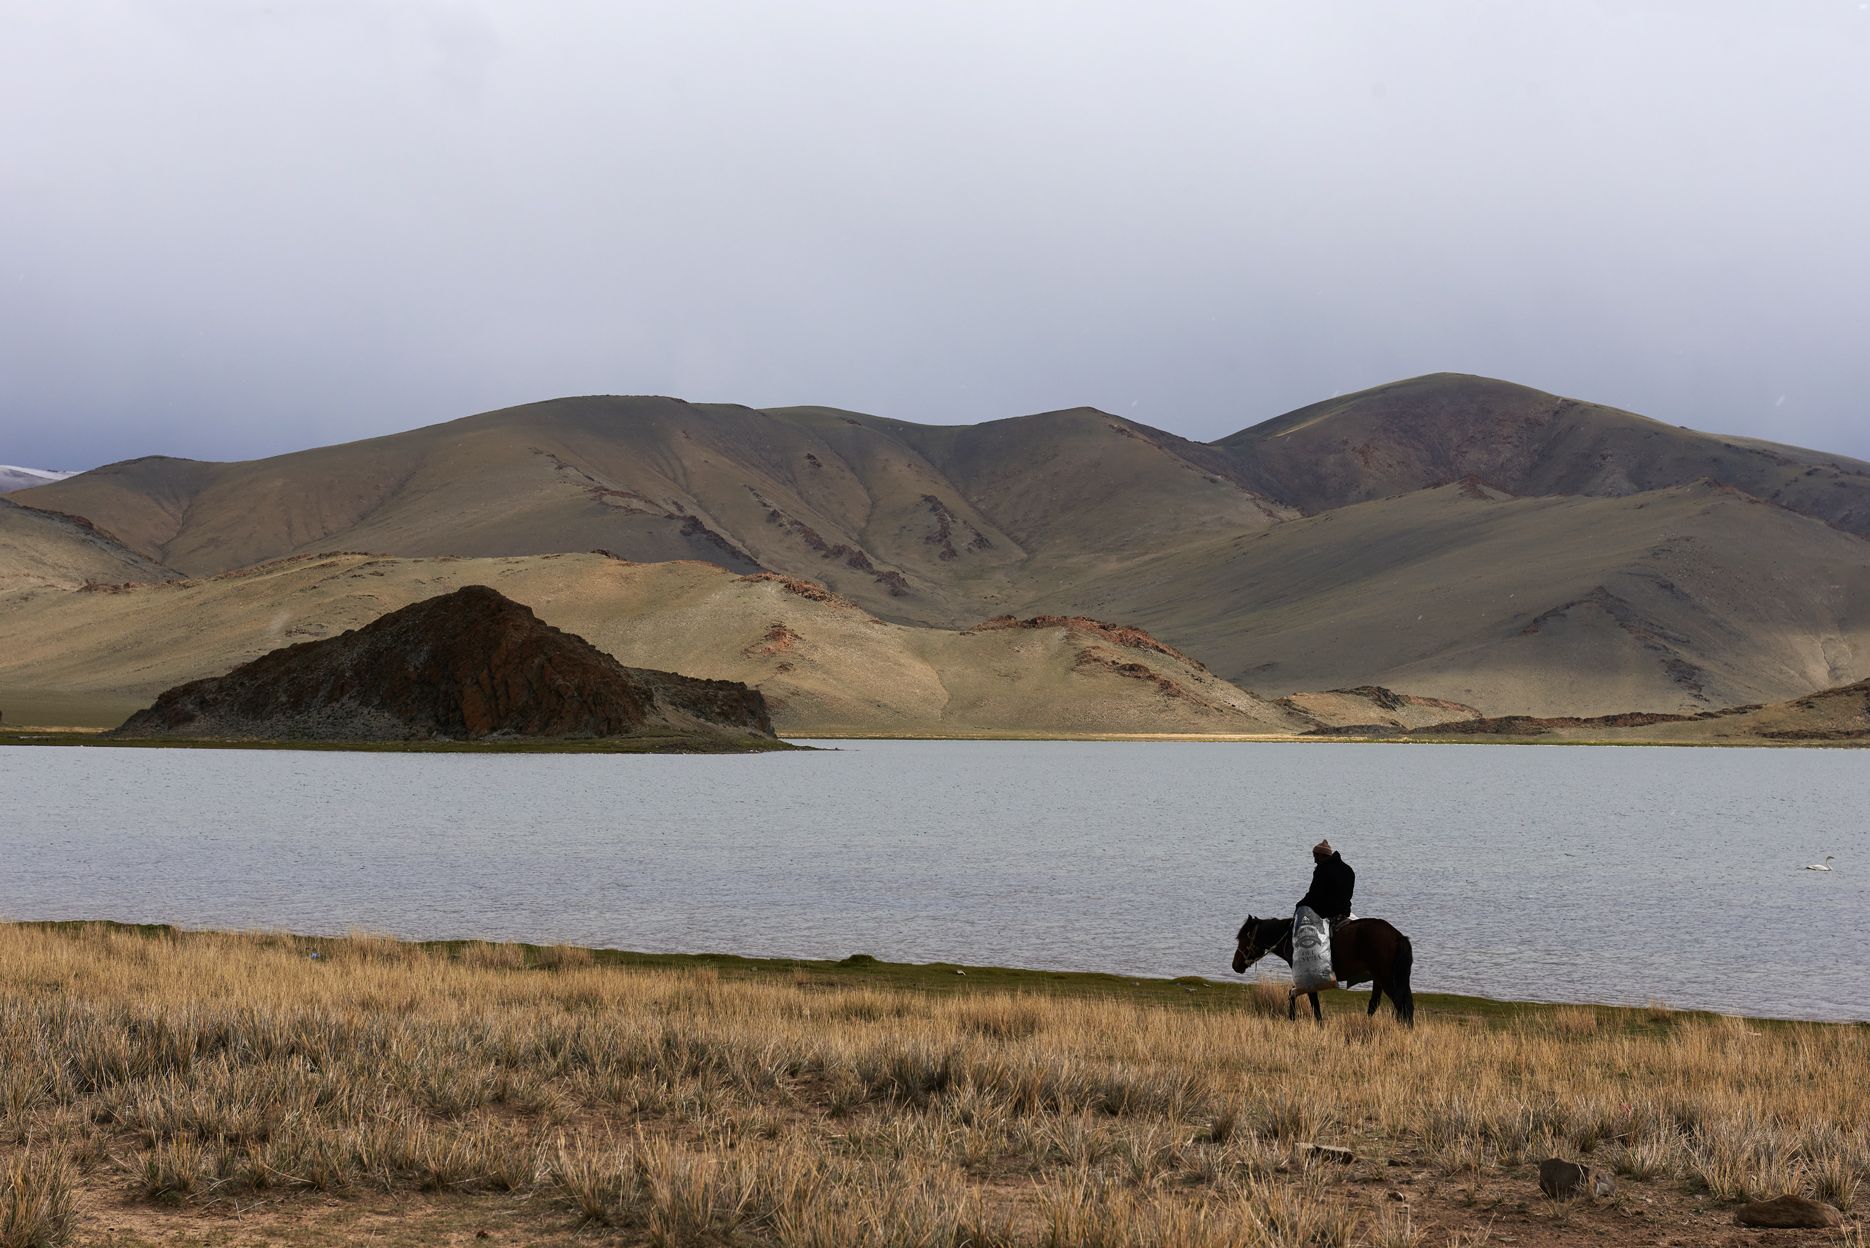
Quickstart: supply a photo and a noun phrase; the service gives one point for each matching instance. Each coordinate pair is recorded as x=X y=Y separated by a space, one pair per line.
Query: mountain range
x=13 y=477
x=1455 y=539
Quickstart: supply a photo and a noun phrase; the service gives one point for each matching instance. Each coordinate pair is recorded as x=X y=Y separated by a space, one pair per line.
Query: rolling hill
x=42 y=550
x=1447 y=427
x=1454 y=538
x=824 y=664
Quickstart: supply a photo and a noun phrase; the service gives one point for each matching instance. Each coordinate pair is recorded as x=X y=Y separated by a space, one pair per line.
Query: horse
x=1361 y=950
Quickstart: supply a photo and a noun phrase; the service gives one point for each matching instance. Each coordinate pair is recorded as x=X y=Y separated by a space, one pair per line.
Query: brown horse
x=1361 y=950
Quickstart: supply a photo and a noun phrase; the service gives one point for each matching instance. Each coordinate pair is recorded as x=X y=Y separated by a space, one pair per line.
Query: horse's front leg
x=1318 y=1015
x=1292 y=1006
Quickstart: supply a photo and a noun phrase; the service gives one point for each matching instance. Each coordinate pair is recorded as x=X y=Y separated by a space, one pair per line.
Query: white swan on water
x=1821 y=866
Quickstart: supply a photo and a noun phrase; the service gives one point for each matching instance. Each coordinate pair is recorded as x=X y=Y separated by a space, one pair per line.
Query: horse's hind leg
x=1292 y=1007
x=1318 y=1015
x=1376 y=999
x=1402 y=994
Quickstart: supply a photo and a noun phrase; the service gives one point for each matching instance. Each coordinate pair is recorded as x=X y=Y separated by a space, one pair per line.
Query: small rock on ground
x=1328 y=1152
x=1561 y=1179
x=1788 y=1212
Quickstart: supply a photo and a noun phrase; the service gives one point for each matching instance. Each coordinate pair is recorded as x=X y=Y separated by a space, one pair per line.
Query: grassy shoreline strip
x=861 y=970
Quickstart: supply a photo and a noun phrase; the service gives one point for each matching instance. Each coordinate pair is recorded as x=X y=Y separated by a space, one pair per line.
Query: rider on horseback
x=1332 y=882
x=1369 y=951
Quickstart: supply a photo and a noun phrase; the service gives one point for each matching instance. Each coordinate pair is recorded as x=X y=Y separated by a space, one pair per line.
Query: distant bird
x=1821 y=866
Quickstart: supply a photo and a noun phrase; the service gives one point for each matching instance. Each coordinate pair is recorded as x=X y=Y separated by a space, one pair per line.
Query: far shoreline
x=1338 y=739
x=101 y=737
x=28 y=735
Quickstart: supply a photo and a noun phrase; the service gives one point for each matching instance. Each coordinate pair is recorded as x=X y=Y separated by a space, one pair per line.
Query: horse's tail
x=1400 y=992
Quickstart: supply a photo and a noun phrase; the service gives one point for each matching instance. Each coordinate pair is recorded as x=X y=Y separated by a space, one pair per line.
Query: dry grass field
x=225 y=1090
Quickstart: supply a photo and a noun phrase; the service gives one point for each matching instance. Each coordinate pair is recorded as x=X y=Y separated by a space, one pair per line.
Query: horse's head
x=1247 y=946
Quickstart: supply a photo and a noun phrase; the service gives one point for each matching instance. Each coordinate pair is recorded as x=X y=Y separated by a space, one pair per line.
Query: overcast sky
x=230 y=229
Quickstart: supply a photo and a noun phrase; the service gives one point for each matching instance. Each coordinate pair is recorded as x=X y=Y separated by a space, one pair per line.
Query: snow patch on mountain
x=13 y=477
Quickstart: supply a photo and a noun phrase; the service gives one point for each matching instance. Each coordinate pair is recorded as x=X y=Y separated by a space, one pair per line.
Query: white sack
x=1311 y=951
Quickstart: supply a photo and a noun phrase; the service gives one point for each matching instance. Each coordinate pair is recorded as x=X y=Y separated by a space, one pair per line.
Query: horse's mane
x=1257 y=923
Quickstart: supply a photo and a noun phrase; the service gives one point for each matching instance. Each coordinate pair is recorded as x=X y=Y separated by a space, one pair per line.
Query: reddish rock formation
x=777 y=639
x=1508 y=725
x=811 y=591
x=466 y=666
x=1095 y=660
x=1121 y=634
x=851 y=556
x=1390 y=711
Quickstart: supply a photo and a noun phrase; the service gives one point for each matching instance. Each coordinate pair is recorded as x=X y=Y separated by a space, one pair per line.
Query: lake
x=1553 y=873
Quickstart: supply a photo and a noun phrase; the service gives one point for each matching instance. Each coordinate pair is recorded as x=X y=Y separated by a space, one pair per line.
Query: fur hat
x=1322 y=850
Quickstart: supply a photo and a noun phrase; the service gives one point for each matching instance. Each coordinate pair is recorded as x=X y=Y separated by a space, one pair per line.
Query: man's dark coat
x=1332 y=882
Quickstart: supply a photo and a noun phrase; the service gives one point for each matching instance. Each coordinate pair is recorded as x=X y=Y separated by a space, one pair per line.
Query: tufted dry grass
x=211 y=1072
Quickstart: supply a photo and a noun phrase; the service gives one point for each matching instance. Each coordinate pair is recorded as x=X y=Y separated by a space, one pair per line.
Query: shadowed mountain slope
x=823 y=663
x=1436 y=430
x=468 y=665
x=1674 y=600
x=44 y=550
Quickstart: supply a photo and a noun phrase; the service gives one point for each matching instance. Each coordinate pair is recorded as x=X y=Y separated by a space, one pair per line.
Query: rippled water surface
x=1552 y=873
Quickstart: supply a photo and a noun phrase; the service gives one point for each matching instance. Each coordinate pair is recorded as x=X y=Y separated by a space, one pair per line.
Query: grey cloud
x=234 y=228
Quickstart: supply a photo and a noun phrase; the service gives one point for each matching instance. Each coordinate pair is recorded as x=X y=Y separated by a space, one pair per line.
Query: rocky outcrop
x=850 y=556
x=947 y=528
x=1121 y=634
x=1375 y=708
x=1563 y=1180
x=1840 y=715
x=1524 y=725
x=1093 y=659
x=472 y=665
x=811 y=591
x=1789 y=1212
